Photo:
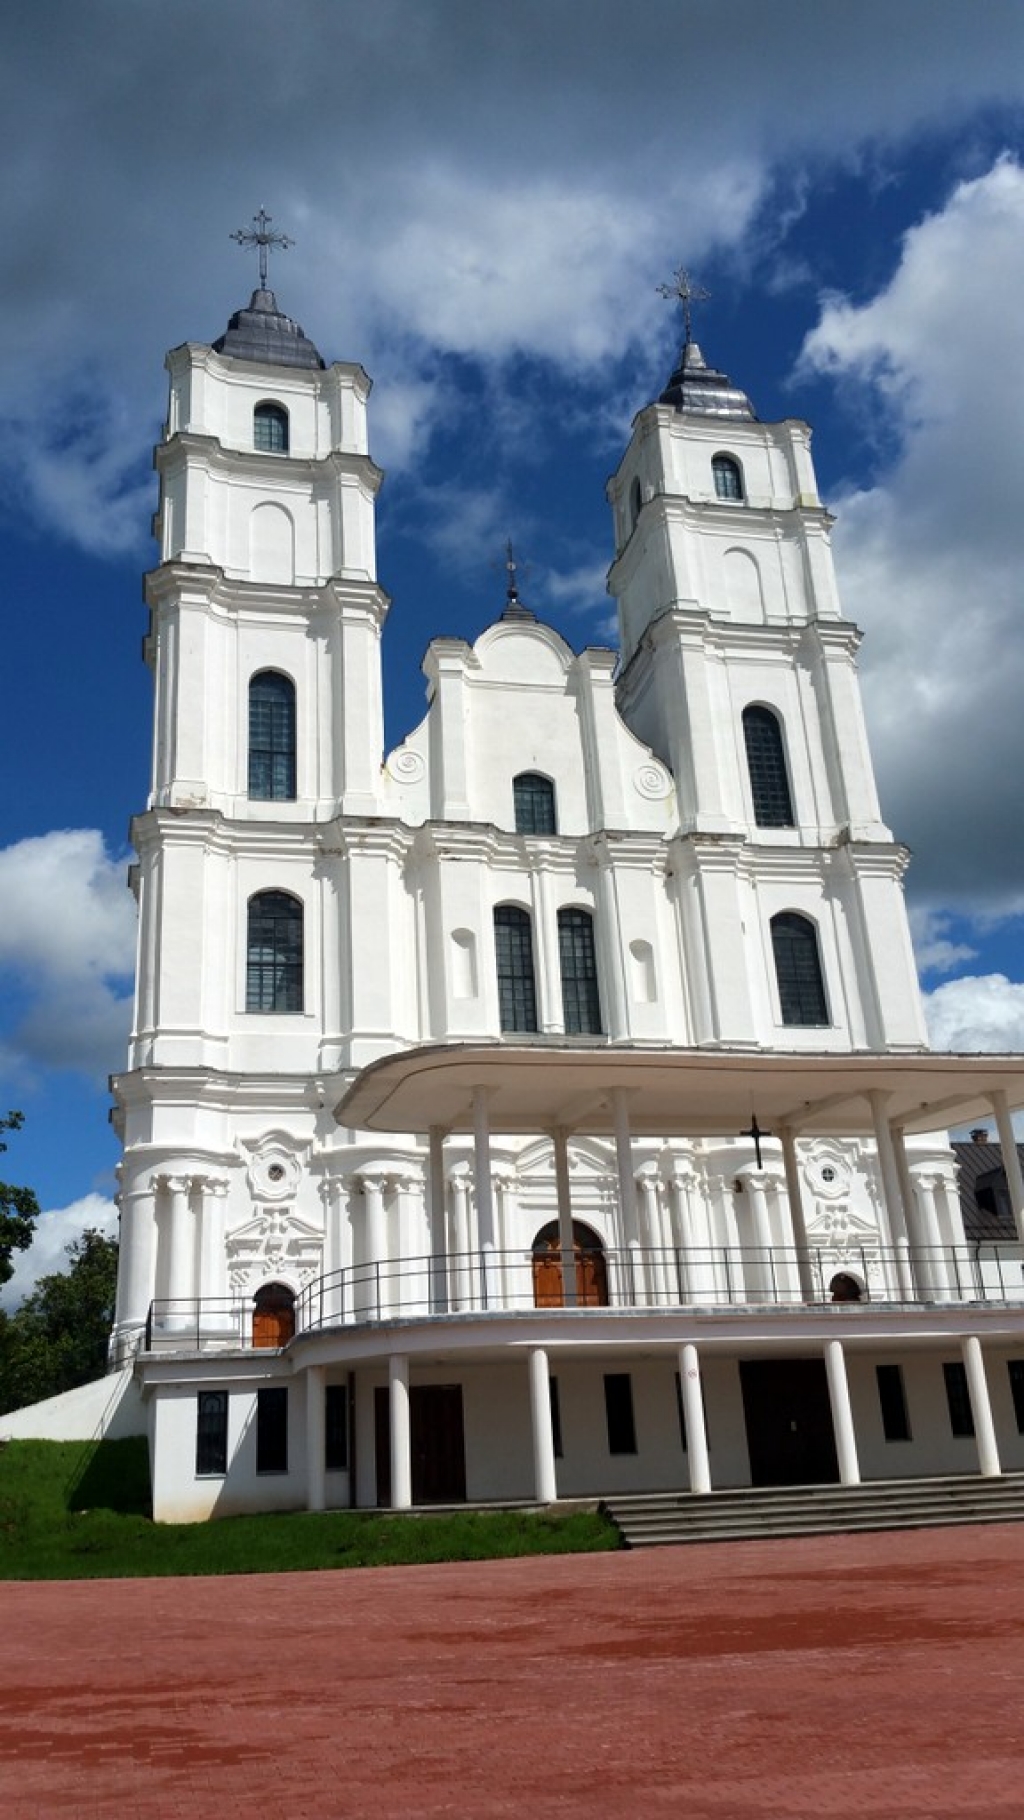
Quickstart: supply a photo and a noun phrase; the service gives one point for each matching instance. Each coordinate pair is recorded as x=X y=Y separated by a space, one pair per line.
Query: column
x=981 y=1407
x=1011 y=1158
x=647 y=1183
x=682 y=1233
x=545 y=1484
x=336 y=1297
x=920 y=1261
x=634 y=1274
x=373 y=1288
x=842 y=1413
x=316 y=1484
x=401 y=1438
x=804 y=1262
x=410 y=1270
x=763 y=1272
x=936 y=1272
x=895 y=1219
x=567 y=1247
x=693 y=1415
x=137 y=1261
x=484 y=1198
x=214 y=1310
x=180 y=1250
x=436 y=1210
x=462 y=1274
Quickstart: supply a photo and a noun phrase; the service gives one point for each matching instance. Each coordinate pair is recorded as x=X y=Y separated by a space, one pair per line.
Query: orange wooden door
x=547 y=1279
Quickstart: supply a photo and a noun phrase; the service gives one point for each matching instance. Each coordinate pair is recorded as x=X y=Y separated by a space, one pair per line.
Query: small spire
x=262 y=236
x=685 y=292
x=514 y=608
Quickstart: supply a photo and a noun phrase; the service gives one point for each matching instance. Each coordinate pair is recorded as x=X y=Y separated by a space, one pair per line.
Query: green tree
x=19 y=1209
x=58 y=1338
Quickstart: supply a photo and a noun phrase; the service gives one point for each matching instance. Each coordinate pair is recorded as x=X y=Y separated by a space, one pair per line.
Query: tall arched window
x=533 y=798
x=727 y=477
x=636 y=503
x=270 y=429
x=513 y=950
x=766 y=763
x=798 y=969
x=273 y=973
x=272 y=737
x=580 y=1001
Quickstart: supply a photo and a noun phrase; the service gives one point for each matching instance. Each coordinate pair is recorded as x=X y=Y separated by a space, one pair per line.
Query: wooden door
x=548 y=1288
x=273 y=1318
x=790 y=1437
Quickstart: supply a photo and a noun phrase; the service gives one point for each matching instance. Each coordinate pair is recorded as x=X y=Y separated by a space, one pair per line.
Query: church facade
x=542 y=1109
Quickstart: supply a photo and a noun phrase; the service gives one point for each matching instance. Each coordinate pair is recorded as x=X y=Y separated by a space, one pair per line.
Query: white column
x=647 y=1183
x=895 y=1218
x=981 y=1407
x=212 y=1258
x=137 y=1262
x=401 y=1437
x=634 y=1284
x=337 y=1298
x=316 y=1484
x=462 y=1273
x=438 y=1224
x=560 y=1144
x=757 y=1188
x=937 y=1271
x=1011 y=1158
x=180 y=1248
x=684 y=1266
x=484 y=1196
x=693 y=1415
x=545 y=1484
x=842 y=1413
x=809 y=1289
x=374 y=1286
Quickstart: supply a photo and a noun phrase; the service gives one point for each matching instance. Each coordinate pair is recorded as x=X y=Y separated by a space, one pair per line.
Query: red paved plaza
x=873 y=1676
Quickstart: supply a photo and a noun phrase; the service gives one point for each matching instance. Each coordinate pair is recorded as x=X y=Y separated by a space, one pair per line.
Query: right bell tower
x=739 y=670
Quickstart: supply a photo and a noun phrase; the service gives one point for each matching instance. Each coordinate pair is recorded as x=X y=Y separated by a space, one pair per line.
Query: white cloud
x=68 y=935
x=934 y=950
x=981 y=1012
x=54 y=1232
x=930 y=557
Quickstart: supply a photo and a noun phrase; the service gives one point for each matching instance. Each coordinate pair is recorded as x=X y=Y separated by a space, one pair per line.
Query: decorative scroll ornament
x=275 y=1245
x=405 y=765
x=652 y=781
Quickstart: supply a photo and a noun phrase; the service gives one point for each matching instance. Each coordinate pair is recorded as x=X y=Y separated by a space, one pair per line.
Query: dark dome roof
x=702 y=391
x=262 y=333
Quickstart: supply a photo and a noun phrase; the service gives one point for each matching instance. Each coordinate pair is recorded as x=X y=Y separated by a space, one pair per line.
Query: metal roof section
x=264 y=334
x=702 y=391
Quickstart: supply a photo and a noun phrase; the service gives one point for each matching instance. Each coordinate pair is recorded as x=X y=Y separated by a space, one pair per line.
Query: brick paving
x=875 y=1677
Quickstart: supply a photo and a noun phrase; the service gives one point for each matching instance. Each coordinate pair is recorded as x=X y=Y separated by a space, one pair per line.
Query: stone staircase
x=659 y=1519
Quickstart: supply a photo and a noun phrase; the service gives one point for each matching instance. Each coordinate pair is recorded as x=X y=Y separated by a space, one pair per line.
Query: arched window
x=270 y=429
x=580 y=1002
x=636 y=501
x=272 y=737
x=533 y=798
x=727 y=477
x=766 y=763
x=798 y=970
x=273 y=974
x=513 y=950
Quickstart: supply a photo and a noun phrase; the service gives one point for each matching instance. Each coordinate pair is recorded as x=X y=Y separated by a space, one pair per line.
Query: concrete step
x=662 y=1518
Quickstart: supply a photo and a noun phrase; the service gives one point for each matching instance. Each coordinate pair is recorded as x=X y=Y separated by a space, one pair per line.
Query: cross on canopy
x=261 y=235
x=684 y=291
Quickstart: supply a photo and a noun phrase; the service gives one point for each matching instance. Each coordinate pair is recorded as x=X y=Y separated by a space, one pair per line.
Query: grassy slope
x=74 y=1510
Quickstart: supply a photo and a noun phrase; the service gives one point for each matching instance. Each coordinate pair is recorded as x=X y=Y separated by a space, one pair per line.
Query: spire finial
x=511 y=568
x=261 y=235
x=684 y=291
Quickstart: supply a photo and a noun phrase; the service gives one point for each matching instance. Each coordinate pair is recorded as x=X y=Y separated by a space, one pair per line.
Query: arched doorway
x=273 y=1315
x=845 y=1288
x=591 y=1268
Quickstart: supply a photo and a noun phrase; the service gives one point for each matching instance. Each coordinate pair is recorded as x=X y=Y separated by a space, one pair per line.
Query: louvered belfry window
x=580 y=1000
x=274 y=953
x=513 y=948
x=272 y=737
x=533 y=797
x=798 y=970
x=766 y=763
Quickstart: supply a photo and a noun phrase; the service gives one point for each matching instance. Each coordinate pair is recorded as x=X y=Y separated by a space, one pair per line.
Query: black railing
x=634 y=1277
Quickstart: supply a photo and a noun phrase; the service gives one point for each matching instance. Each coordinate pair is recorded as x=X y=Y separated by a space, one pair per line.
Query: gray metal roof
x=989 y=1221
x=262 y=333
x=702 y=391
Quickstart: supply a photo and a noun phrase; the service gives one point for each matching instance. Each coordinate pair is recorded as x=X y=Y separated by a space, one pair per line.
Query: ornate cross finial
x=511 y=568
x=684 y=291
x=754 y=1131
x=261 y=235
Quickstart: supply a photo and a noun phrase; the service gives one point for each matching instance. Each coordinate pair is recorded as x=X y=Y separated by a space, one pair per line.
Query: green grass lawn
x=78 y=1510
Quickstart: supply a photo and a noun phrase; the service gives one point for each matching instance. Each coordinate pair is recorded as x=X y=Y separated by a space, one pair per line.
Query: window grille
x=727 y=477
x=212 y=1432
x=274 y=953
x=513 y=946
x=766 y=763
x=798 y=970
x=580 y=1001
x=270 y=429
x=533 y=798
x=272 y=737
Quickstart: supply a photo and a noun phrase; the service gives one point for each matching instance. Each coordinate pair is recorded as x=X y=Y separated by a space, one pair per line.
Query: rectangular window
x=961 y=1416
x=556 y=1417
x=272 y=1429
x=893 y=1403
x=212 y=1432
x=336 y=1428
x=618 y=1409
x=1015 y=1368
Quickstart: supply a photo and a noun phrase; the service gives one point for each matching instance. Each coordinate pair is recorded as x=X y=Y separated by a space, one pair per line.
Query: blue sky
x=483 y=200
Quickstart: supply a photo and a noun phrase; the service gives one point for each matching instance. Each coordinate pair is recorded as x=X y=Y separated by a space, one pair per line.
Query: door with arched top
x=591 y=1268
x=273 y=1315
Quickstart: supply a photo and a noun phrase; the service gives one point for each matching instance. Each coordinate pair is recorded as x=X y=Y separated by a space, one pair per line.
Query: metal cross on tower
x=261 y=235
x=685 y=292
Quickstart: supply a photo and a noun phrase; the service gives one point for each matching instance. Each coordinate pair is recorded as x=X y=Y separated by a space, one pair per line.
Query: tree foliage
x=19 y=1209
x=58 y=1338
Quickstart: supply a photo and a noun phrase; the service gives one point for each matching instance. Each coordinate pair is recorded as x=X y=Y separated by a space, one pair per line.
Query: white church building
x=543 y=1109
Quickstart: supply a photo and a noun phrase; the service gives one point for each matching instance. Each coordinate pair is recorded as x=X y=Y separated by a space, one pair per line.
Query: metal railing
x=631 y=1277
